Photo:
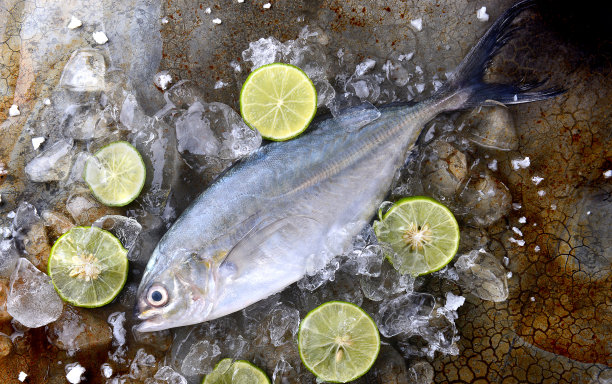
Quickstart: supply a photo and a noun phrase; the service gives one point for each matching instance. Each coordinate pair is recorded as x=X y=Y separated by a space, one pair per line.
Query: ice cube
x=199 y=360
x=77 y=329
x=169 y=375
x=32 y=300
x=493 y=128
x=116 y=321
x=84 y=72
x=84 y=122
x=126 y=229
x=443 y=170
x=9 y=255
x=397 y=74
x=481 y=274
x=386 y=285
x=263 y=51
x=142 y=365
x=215 y=130
x=420 y=372
x=283 y=323
x=367 y=261
x=398 y=315
x=484 y=200
x=318 y=272
x=364 y=67
x=52 y=164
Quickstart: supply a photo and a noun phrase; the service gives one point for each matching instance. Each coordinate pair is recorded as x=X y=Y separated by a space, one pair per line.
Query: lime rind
x=238 y=372
x=130 y=163
x=246 y=112
x=112 y=257
x=418 y=210
x=356 y=322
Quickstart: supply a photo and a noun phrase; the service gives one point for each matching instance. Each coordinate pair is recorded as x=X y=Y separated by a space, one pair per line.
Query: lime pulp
x=278 y=100
x=422 y=233
x=238 y=372
x=88 y=266
x=115 y=174
x=338 y=341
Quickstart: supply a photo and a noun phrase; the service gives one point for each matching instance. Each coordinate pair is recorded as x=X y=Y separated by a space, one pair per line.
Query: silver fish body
x=287 y=209
x=291 y=206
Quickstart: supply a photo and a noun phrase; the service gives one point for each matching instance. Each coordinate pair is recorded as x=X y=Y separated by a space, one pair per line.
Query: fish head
x=181 y=292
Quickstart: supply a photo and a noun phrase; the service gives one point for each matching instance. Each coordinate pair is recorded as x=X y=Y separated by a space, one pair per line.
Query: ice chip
x=52 y=164
x=78 y=329
x=283 y=321
x=453 y=302
x=126 y=229
x=398 y=315
x=364 y=67
x=386 y=285
x=199 y=359
x=169 y=375
x=84 y=72
x=481 y=274
x=397 y=74
x=163 y=80
x=9 y=255
x=263 y=51
x=215 y=130
x=32 y=300
x=107 y=370
x=143 y=365
x=484 y=200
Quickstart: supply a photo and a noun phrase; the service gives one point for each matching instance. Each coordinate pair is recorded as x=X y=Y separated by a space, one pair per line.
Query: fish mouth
x=150 y=323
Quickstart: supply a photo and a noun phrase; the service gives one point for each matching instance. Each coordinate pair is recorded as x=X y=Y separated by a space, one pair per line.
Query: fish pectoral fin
x=270 y=240
x=354 y=118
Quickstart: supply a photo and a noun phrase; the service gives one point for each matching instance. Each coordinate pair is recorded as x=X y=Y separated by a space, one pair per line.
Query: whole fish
x=291 y=206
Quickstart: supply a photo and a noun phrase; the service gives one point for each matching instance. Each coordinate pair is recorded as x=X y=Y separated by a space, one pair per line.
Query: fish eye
x=157 y=296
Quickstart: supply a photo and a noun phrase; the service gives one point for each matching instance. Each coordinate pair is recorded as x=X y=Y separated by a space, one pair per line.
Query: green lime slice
x=423 y=233
x=338 y=341
x=88 y=266
x=239 y=372
x=115 y=174
x=278 y=100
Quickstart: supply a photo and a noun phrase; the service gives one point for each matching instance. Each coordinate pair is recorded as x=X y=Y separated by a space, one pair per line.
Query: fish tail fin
x=467 y=81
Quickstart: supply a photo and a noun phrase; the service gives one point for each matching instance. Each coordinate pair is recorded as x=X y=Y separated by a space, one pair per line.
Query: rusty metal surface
x=555 y=327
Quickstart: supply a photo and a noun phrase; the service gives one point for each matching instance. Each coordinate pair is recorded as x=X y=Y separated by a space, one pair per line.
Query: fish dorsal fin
x=354 y=118
x=271 y=239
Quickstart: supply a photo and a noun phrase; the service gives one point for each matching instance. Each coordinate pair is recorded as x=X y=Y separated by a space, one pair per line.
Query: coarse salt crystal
x=74 y=375
x=516 y=206
x=532 y=298
x=417 y=24
x=107 y=370
x=164 y=20
x=267 y=6
x=522 y=220
x=608 y=173
x=74 y=23
x=536 y=248
x=518 y=163
x=537 y=179
x=405 y=57
x=100 y=37
x=241 y=1
x=509 y=274
x=14 y=110
x=217 y=21
x=493 y=165
x=482 y=15
x=541 y=192
x=220 y=84
x=520 y=243
x=22 y=376
x=420 y=87
x=517 y=231
x=207 y=10
x=37 y=141
x=47 y=102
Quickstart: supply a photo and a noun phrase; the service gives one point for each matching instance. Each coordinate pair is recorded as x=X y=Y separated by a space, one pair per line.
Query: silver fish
x=292 y=206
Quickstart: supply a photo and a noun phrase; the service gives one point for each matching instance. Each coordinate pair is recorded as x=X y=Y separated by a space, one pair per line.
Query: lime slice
x=115 y=174
x=422 y=232
x=338 y=342
x=240 y=372
x=88 y=266
x=278 y=100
